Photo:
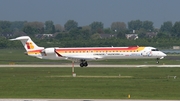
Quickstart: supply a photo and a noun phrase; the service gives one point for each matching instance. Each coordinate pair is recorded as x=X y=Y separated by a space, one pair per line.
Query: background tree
x=162 y=35
x=3 y=42
x=95 y=36
x=176 y=29
x=135 y=25
x=141 y=33
x=121 y=35
x=70 y=24
x=63 y=36
x=148 y=25
x=75 y=34
x=118 y=26
x=49 y=27
x=5 y=27
x=31 y=28
x=166 y=27
x=17 y=25
x=96 y=27
x=59 y=28
x=85 y=32
x=107 y=31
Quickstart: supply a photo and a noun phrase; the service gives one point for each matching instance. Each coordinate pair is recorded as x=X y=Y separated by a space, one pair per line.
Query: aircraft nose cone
x=164 y=54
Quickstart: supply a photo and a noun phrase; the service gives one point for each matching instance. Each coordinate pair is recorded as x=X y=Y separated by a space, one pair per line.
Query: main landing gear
x=83 y=63
x=157 y=60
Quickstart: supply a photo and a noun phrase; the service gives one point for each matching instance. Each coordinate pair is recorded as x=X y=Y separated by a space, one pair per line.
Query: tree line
x=72 y=35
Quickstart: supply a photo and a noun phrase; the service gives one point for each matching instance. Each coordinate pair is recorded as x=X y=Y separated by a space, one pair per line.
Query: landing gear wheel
x=85 y=64
x=81 y=64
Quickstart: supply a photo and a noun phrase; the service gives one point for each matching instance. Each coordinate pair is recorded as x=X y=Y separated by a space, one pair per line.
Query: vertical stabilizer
x=28 y=44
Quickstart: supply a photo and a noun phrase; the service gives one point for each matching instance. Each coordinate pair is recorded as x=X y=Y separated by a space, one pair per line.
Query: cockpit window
x=154 y=49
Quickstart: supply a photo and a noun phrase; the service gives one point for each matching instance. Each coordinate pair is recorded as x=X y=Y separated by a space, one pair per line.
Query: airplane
x=83 y=54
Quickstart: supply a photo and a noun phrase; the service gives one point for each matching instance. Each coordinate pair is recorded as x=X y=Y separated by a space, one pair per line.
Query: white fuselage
x=102 y=53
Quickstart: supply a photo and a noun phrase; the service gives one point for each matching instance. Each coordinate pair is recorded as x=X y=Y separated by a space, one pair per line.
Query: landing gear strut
x=83 y=63
x=157 y=60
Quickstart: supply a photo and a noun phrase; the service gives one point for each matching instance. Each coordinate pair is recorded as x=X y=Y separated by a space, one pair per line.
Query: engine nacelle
x=48 y=52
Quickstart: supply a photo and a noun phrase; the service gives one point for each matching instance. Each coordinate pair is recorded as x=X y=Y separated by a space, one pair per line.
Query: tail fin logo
x=29 y=45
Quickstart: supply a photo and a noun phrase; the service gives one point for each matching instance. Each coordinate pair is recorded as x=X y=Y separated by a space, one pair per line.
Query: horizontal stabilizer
x=21 y=38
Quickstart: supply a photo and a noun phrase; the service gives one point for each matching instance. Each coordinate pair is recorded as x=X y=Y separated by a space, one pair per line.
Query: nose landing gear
x=157 y=60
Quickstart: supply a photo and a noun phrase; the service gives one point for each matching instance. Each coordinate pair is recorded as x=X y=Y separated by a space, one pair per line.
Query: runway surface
x=78 y=100
x=90 y=66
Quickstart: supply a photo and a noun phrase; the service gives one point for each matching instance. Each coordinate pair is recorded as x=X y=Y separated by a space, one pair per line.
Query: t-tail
x=31 y=48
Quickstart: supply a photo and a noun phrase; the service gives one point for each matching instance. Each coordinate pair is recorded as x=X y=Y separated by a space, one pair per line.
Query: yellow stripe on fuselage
x=34 y=52
x=98 y=50
x=141 y=48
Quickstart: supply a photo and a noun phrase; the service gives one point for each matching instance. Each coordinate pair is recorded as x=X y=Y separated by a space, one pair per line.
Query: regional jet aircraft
x=89 y=53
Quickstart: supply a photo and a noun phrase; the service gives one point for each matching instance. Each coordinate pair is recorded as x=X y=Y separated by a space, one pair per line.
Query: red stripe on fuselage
x=94 y=48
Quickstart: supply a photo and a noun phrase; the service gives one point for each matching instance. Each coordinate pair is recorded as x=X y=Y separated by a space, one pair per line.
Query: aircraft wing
x=79 y=57
x=82 y=57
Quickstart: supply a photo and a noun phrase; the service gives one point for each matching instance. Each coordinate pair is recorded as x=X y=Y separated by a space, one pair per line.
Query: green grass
x=144 y=83
x=90 y=83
